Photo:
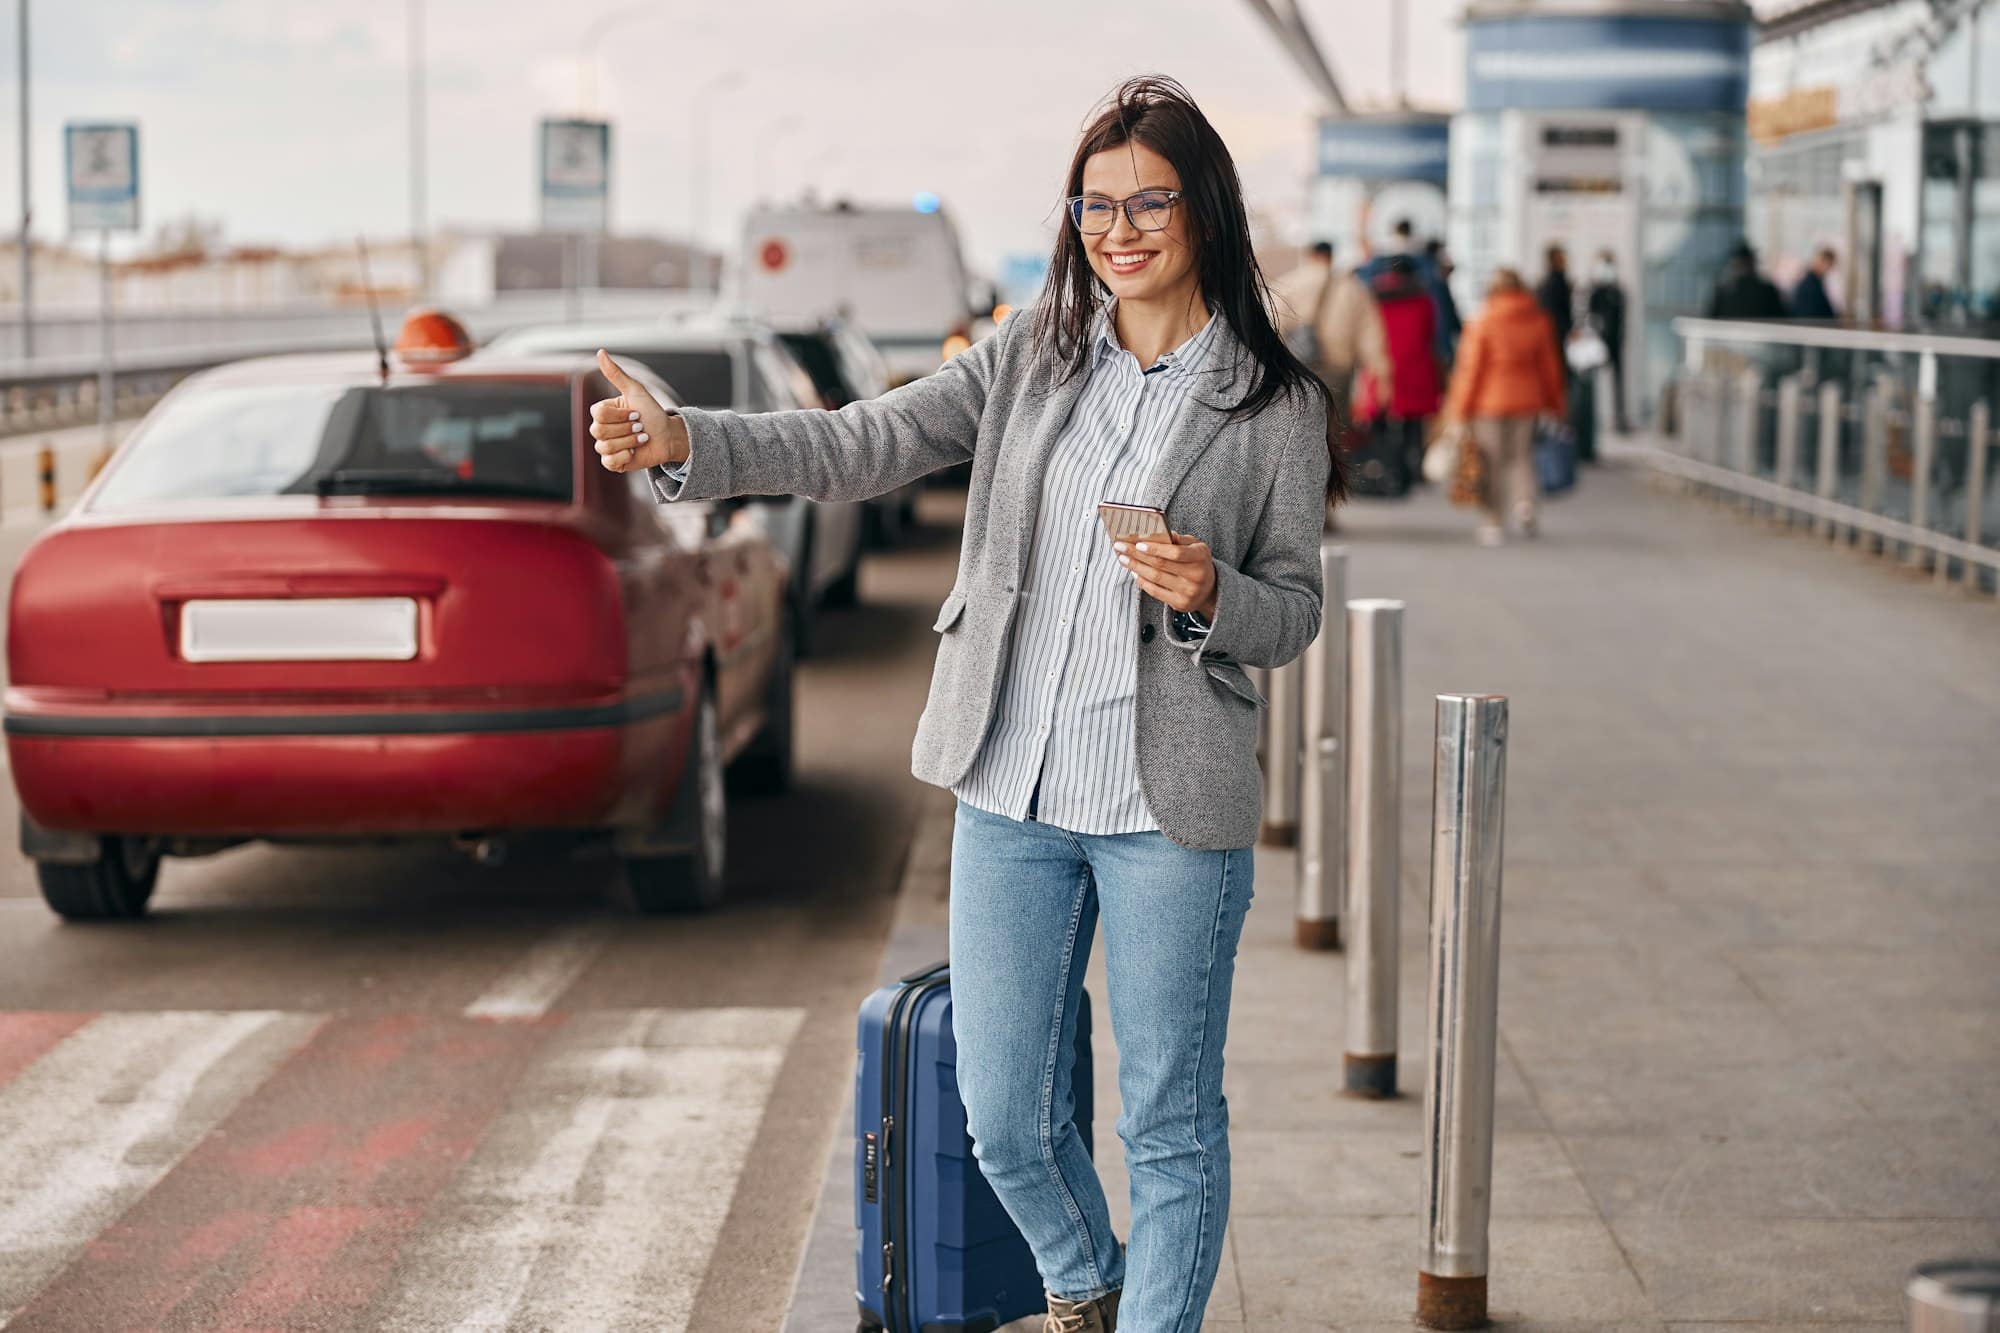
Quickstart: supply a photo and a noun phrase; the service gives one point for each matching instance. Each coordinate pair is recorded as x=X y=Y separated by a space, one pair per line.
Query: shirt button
x=1146 y=633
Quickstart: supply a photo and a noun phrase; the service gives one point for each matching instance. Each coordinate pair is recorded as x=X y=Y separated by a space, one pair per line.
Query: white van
x=894 y=272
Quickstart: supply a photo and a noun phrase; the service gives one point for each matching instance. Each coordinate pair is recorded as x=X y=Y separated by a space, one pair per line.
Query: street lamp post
x=419 y=244
x=767 y=144
x=27 y=214
x=698 y=186
x=586 y=58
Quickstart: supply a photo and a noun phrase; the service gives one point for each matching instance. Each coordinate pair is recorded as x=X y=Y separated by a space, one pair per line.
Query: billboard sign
x=576 y=175
x=101 y=165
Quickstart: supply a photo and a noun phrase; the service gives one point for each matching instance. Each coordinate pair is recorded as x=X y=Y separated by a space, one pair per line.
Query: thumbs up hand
x=633 y=430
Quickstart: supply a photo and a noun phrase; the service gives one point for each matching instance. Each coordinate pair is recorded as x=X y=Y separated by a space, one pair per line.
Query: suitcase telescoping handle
x=926 y=973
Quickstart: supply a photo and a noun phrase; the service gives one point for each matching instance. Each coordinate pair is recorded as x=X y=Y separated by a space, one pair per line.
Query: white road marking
x=594 y=1202
x=96 y=1121
x=531 y=986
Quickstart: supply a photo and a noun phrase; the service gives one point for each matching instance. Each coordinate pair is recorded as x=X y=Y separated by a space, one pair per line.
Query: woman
x=1089 y=706
x=1509 y=374
x=1411 y=394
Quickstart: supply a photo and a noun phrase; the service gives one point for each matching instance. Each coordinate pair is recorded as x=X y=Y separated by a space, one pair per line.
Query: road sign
x=102 y=164
x=576 y=175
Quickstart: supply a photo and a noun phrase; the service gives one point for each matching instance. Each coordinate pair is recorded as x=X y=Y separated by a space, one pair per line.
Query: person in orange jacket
x=1509 y=375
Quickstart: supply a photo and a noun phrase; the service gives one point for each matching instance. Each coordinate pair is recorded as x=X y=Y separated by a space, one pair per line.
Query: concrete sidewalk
x=1750 y=994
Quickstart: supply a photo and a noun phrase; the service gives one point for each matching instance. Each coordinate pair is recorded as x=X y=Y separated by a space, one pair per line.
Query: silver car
x=716 y=360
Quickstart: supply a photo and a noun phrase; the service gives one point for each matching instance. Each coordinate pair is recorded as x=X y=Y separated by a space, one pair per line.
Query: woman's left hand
x=1180 y=573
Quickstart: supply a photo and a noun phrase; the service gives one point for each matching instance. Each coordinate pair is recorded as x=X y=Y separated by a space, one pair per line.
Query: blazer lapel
x=1223 y=378
x=1058 y=401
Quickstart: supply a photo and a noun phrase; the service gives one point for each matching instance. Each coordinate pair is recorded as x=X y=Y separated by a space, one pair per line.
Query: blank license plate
x=311 y=629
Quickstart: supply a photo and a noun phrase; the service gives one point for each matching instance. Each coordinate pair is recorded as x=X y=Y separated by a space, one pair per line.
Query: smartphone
x=1123 y=522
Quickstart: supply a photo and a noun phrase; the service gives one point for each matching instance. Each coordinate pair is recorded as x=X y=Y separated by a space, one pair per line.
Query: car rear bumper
x=348 y=773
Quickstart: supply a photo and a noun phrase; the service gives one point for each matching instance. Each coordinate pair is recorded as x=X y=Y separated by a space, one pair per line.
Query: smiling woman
x=1089 y=707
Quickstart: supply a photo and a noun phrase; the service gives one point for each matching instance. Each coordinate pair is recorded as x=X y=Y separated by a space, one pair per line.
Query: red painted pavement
x=292 y=1214
x=25 y=1036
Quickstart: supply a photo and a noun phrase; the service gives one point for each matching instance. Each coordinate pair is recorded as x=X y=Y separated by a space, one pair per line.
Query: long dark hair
x=1157 y=112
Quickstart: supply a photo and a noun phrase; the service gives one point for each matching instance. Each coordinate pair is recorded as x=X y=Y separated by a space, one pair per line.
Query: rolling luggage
x=937 y=1253
x=1555 y=458
x=1378 y=461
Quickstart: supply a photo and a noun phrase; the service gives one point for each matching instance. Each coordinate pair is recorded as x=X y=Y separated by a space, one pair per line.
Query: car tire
x=765 y=768
x=693 y=880
x=885 y=525
x=804 y=607
x=846 y=590
x=115 y=887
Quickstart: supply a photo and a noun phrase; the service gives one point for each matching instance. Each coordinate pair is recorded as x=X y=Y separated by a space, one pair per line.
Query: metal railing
x=1882 y=441
x=153 y=352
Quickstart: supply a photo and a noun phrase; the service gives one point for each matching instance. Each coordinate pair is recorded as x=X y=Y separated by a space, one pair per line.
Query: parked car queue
x=392 y=596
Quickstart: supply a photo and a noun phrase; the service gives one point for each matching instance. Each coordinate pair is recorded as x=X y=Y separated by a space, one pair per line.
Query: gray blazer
x=1253 y=490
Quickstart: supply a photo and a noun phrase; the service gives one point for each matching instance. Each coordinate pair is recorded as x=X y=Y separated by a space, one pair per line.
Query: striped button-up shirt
x=1065 y=714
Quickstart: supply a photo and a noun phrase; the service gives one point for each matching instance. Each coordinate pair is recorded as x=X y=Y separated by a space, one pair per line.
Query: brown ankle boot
x=1098 y=1316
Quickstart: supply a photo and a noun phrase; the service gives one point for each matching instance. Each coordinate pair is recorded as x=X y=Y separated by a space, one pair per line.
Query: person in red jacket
x=1509 y=374
x=1409 y=322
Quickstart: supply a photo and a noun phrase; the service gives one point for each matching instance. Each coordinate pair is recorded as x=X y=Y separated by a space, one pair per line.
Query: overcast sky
x=287 y=120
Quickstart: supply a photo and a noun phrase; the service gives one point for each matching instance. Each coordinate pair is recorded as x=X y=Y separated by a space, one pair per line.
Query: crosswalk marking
x=533 y=984
x=595 y=1200
x=98 y=1119
x=242 y=1168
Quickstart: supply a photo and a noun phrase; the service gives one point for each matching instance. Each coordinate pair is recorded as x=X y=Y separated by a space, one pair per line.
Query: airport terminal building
x=1875 y=128
x=1604 y=125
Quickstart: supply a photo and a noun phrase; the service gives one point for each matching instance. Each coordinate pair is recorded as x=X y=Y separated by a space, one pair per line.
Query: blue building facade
x=1604 y=127
x=1374 y=170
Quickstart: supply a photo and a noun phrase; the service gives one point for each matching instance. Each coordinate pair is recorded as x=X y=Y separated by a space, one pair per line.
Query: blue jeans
x=1025 y=901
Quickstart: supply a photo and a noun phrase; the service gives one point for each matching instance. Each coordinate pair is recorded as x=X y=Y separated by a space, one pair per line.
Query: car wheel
x=804 y=611
x=765 y=769
x=116 y=887
x=694 y=879
x=885 y=524
x=846 y=590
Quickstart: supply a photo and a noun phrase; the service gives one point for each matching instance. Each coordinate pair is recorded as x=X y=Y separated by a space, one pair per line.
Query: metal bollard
x=1791 y=399
x=45 y=466
x=1978 y=438
x=1743 y=456
x=1953 y=1296
x=1323 y=783
x=1374 y=837
x=1827 y=483
x=1282 y=740
x=1923 y=455
x=1874 y=452
x=1468 y=806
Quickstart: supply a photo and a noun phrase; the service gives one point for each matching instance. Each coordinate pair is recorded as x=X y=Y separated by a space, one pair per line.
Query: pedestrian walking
x=1330 y=321
x=1556 y=296
x=1509 y=376
x=1410 y=394
x=1605 y=304
x=1742 y=292
x=1089 y=706
x=1449 y=325
x=1810 y=299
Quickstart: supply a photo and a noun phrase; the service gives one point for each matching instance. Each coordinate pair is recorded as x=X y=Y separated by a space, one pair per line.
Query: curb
x=822 y=1297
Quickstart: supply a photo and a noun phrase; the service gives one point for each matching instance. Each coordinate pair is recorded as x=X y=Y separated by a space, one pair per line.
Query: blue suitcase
x=937 y=1253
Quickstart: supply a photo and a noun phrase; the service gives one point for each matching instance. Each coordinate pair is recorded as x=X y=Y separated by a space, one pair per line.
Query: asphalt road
x=375 y=1089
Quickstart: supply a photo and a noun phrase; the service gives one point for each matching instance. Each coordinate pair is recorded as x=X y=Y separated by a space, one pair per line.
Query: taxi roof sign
x=431 y=338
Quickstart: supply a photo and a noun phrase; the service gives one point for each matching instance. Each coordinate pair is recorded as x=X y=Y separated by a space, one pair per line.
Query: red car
x=328 y=598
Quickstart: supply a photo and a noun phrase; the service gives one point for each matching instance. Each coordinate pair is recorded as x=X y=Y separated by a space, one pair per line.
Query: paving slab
x=1749 y=1064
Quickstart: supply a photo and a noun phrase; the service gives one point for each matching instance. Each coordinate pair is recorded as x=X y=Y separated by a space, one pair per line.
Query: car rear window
x=815 y=352
x=699 y=377
x=468 y=438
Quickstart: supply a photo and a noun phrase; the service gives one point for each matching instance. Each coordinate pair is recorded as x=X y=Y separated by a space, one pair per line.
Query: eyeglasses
x=1148 y=210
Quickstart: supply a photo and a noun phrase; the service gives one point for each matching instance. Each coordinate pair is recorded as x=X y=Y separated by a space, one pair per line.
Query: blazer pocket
x=948 y=614
x=1236 y=680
